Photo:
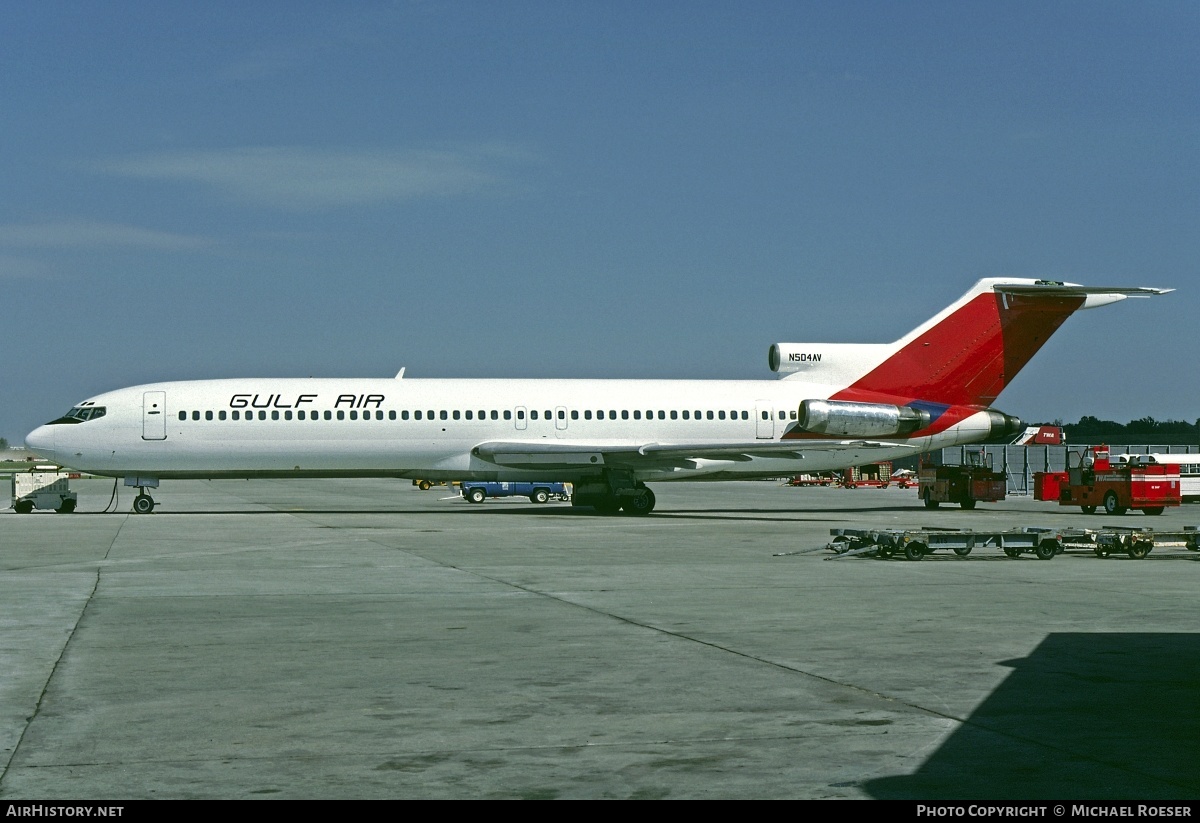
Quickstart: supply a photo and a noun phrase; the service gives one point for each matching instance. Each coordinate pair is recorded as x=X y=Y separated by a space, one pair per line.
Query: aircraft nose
x=41 y=441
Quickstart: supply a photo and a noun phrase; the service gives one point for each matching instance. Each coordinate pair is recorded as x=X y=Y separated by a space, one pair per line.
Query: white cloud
x=304 y=178
x=92 y=234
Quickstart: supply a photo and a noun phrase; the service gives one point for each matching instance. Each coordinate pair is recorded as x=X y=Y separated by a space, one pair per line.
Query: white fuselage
x=430 y=428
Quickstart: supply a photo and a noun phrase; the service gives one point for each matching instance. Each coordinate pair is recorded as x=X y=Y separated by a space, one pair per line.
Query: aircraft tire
x=143 y=504
x=640 y=504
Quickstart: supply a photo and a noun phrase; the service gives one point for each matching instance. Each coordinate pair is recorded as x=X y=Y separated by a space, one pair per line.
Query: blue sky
x=591 y=189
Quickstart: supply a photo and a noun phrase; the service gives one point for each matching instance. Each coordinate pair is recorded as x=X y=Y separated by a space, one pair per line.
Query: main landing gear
x=143 y=503
x=613 y=492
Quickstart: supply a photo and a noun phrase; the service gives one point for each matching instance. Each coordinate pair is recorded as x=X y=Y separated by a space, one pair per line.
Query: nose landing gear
x=143 y=503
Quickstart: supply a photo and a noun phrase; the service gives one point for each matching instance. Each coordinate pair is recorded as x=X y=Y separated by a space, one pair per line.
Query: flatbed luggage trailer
x=914 y=544
x=1137 y=543
x=871 y=476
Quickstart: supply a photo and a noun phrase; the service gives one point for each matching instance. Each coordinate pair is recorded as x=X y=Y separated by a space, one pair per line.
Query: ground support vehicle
x=1137 y=543
x=914 y=544
x=426 y=485
x=43 y=490
x=871 y=476
x=1091 y=481
x=815 y=479
x=478 y=491
x=967 y=484
x=1189 y=470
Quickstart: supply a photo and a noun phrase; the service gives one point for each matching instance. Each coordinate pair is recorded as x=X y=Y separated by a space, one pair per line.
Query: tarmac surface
x=364 y=639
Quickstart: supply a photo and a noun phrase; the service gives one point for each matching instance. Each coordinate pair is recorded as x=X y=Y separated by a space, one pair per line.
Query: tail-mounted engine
x=844 y=419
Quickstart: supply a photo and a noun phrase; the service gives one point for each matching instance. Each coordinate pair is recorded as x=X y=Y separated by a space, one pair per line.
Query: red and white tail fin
x=965 y=355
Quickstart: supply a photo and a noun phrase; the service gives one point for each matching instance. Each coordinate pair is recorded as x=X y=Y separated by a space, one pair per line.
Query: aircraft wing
x=573 y=454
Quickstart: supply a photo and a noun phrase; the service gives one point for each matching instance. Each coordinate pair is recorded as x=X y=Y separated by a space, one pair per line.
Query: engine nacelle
x=1004 y=427
x=790 y=357
x=844 y=419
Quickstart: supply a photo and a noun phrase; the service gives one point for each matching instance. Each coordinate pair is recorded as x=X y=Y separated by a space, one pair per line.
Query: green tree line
x=1143 y=430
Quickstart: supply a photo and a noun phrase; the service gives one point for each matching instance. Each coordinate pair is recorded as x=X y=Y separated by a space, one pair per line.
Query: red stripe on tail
x=971 y=355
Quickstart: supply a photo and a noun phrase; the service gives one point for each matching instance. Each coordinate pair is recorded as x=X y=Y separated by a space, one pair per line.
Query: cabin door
x=154 y=415
x=765 y=416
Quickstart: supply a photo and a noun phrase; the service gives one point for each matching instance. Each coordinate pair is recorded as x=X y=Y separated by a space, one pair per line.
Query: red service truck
x=1092 y=480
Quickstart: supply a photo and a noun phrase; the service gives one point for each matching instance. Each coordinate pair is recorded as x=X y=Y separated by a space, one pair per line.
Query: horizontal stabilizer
x=1068 y=289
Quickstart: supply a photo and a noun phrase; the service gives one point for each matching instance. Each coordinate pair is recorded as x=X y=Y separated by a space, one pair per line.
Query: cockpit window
x=79 y=414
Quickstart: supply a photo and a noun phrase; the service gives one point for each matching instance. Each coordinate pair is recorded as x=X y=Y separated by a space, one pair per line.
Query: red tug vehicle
x=1091 y=480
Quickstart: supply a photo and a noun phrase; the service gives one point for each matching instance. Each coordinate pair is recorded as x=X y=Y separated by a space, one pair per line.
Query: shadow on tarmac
x=1085 y=716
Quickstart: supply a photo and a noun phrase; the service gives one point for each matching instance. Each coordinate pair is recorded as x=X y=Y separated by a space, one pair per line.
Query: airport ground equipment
x=967 y=484
x=872 y=476
x=426 y=485
x=914 y=544
x=42 y=490
x=815 y=479
x=1137 y=543
x=1189 y=470
x=478 y=491
x=1092 y=480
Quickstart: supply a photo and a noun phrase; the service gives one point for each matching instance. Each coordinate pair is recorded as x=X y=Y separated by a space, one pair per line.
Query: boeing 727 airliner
x=836 y=405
